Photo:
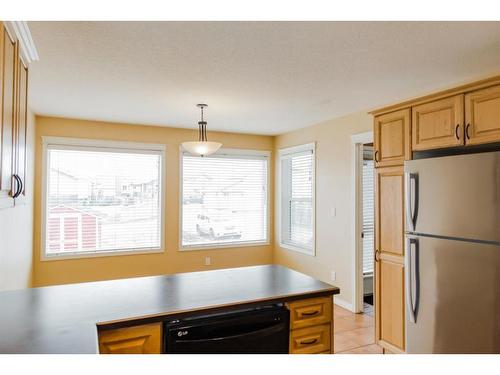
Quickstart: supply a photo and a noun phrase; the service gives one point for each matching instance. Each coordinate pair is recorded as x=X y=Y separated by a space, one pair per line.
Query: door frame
x=357 y=141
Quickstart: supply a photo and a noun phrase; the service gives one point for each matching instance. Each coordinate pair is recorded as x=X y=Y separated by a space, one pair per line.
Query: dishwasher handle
x=254 y=333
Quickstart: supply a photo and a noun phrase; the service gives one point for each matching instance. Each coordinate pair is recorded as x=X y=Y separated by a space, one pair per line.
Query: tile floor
x=354 y=333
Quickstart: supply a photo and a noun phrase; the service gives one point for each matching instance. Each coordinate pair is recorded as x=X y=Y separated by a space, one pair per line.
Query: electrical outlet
x=333 y=211
x=333 y=275
x=208 y=261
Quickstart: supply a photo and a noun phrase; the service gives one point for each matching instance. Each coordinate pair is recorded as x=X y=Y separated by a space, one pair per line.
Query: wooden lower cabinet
x=311 y=332
x=143 y=339
x=389 y=304
x=311 y=326
x=389 y=210
x=309 y=312
x=389 y=258
x=310 y=340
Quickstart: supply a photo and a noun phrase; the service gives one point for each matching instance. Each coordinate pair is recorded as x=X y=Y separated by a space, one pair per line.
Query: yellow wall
x=172 y=260
x=16 y=231
x=334 y=242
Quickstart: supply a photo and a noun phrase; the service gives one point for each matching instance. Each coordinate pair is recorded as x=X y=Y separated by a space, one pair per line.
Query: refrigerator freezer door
x=458 y=309
x=455 y=196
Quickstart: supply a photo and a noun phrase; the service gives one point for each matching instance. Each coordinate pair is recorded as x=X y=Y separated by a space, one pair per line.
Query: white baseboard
x=346 y=305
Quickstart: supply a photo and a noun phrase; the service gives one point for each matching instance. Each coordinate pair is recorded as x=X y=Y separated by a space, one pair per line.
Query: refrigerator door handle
x=412 y=292
x=411 y=215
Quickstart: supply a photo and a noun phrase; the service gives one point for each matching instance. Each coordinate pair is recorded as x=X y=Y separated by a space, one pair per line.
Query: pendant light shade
x=203 y=147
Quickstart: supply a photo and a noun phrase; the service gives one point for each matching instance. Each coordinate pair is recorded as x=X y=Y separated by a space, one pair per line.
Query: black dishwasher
x=259 y=330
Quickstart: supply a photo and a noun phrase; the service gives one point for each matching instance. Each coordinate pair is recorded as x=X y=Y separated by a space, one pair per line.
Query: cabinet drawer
x=144 y=339
x=309 y=312
x=310 y=340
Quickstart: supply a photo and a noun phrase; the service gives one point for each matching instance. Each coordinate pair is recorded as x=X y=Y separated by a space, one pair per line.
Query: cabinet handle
x=377 y=255
x=12 y=193
x=19 y=186
x=467 y=131
x=308 y=342
x=456 y=131
x=375 y=156
x=310 y=313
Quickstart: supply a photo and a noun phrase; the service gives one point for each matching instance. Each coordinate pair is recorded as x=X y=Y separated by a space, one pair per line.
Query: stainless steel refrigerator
x=452 y=254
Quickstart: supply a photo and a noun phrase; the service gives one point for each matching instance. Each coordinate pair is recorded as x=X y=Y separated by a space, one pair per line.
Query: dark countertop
x=64 y=318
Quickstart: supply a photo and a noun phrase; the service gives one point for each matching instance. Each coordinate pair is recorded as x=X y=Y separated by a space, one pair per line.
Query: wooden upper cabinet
x=13 y=120
x=438 y=124
x=21 y=128
x=144 y=339
x=8 y=61
x=392 y=138
x=482 y=116
x=389 y=214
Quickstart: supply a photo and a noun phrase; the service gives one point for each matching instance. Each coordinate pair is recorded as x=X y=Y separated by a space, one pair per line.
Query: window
x=368 y=217
x=297 y=193
x=101 y=197
x=224 y=199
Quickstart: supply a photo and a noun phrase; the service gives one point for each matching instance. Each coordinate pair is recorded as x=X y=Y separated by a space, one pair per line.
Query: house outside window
x=101 y=198
x=224 y=199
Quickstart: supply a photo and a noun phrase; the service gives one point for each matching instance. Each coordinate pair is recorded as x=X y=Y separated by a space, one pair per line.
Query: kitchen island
x=126 y=315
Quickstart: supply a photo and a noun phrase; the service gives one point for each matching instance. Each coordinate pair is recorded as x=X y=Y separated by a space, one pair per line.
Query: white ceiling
x=257 y=77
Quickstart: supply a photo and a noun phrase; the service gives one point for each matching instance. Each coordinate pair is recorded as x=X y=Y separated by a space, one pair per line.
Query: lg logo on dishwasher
x=182 y=333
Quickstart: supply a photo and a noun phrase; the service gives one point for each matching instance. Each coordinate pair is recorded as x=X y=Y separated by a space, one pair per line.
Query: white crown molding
x=20 y=31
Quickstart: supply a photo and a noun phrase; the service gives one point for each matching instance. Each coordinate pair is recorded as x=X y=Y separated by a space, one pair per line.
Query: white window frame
x=241 y=153
x=100 y=145
x=283 y=153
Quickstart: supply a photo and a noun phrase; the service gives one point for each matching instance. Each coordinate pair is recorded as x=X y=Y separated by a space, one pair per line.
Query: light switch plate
x=333 y=211
x=333 y=276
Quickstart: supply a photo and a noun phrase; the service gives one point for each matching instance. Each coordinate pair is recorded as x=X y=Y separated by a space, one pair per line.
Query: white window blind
x=368 y=216
x=297 y=198
x=224 y=199
x=101 y=200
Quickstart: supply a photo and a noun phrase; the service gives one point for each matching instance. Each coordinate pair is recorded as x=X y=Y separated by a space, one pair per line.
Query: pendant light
x=203 y=147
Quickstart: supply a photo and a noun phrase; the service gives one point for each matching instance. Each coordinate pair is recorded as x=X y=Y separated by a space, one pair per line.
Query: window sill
x=301 y=250
x=223 y=246
x=49 y=258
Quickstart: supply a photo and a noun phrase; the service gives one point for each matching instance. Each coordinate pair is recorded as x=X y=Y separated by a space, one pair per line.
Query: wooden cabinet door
x=8 y=60
x=21 y=127
x=144 y=339
x=389 y=257
x=389 y=210
x=482 y=116
x=389 y=303
x=392 y=138
x=438 y=124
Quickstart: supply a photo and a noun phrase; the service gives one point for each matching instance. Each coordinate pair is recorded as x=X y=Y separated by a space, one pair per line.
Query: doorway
x=363 y=212
x=368 y=226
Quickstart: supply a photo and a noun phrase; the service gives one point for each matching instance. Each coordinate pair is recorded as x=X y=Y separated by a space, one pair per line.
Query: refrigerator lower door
x=455 y=290
x=454 y=196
